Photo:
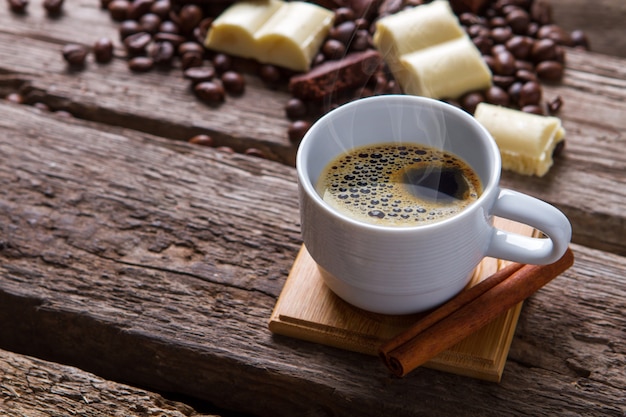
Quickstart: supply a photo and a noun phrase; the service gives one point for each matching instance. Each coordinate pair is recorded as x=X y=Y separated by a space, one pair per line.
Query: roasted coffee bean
x=233 y=82
x=167 y=26
x=343 y=14
x=503 y=81
x=504 y=63
x=15 y=98
x=53 y=7
x=541 y=12
x=470 y=100
x=556 y=33
x=74 y=54
x=204 y=140
x=478 y=30
x=187 y=47
x=64 y=114
x=530 y=93
x=550 y=70
x=297 y=130
x=162 y=53
x=388 y=7
x=103 y=50
x=189 y=17
x=18 y=6
x=555 y=104
x=496 y=49
x=333 y=49
x=270 y=74
x=140 y=64
x=579 y=39
x=150 y=23
x=520 y=46
x=524 y=65
x=362 y=24
x=205 y=24
x=136 y=43
x=525 y=75
x=41 y=106
x=222 y=63
x=560 y=54
x=518 y=20
x=173 y=38
x=343 y=32
x=514 y=91
x=497 y=22
x=210 y=92
x=129 y=27
x=199 y=74
x=190 y=60
x=161 y=8
x=361 y=41
x=468 y=19
x=501 y=34
x=532 y=29
x=225 y=149
x=254 y=152
x=318 y=59
x=543 y=49
x=138 y=8
x=295 y=109
x=118 y=10
x=496 y=95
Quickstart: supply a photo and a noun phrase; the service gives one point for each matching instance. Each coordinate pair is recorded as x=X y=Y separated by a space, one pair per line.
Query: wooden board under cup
x=307 y=309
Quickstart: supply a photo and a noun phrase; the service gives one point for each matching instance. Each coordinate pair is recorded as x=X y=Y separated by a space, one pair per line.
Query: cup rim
x=308 y=186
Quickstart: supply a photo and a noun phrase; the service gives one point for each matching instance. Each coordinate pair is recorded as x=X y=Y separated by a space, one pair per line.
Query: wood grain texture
x=158 y=263
x=130 y=254
x=593 y=91
x=36 y=388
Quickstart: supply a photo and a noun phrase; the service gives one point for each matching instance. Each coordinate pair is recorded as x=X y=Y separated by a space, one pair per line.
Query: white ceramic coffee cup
x=402 y=270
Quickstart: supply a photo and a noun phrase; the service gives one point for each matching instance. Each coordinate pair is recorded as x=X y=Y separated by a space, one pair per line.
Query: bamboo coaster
x=308 y=310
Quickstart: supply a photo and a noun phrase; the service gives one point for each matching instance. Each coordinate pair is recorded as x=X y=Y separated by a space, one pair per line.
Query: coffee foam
x=371 y=184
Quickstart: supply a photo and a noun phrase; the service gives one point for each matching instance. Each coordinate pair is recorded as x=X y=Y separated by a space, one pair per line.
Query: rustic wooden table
x=128 y=256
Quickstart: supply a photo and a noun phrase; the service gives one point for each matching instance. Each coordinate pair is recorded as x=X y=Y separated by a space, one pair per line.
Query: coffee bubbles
x=396 y=184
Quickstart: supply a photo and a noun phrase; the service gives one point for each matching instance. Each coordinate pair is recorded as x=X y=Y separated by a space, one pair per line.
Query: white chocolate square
x=287 y=34
x=526 y=141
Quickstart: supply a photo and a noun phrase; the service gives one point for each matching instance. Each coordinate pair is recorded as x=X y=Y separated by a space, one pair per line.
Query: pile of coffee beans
x=517 y=38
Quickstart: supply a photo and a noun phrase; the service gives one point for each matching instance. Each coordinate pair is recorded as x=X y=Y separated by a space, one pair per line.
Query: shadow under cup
x=391 y=269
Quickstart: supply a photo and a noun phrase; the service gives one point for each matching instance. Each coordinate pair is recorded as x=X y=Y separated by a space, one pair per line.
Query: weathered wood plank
x=593 y=90
x=35 y=388
x=159 y=263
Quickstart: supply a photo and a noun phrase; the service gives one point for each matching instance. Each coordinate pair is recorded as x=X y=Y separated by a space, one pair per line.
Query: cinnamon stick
x=465 y=314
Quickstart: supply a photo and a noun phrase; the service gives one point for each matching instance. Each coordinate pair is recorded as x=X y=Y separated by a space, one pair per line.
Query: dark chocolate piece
x=474 y=6
x=352 y=71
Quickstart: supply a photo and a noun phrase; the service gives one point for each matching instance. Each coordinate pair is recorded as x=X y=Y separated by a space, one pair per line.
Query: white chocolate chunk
x=287 y=34
x=233 y=31
x=429 y=53
x=447 y=70
x=414 y=29
x=293 y=35
x=526 y=141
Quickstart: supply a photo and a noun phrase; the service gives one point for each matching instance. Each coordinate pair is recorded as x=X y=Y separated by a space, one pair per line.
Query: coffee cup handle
x=538 y=214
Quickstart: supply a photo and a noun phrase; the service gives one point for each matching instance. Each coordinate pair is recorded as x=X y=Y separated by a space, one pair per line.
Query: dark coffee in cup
x=397 y=184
